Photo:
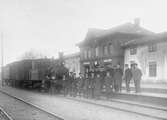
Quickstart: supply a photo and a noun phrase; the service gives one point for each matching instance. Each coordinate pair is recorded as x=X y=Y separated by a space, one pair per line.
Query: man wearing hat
x=108 y=80
x=80 y=84
x=74 y=85
x=118 y=73
x=111 y=70
x=85 y=88
x=70 y=83
x=127 y=77
x=136 y=75
x=97 y=85
x=91 y=85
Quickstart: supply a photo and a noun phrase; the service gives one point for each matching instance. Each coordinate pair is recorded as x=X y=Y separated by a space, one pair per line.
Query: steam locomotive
x=32 y=72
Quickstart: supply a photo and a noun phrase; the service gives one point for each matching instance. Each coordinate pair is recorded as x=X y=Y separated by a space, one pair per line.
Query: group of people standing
x=92 y=84
x=135 y=74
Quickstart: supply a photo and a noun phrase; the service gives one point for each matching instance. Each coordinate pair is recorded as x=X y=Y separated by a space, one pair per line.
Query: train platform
x=150 y=93
x=150 y=87
x=77 y=108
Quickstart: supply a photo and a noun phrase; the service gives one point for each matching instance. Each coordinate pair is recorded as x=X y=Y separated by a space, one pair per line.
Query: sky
x=52 y=26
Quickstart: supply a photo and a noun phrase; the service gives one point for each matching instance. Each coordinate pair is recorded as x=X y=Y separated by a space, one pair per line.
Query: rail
x=32 y=105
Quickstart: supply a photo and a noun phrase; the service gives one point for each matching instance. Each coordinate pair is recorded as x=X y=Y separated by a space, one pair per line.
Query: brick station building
x=103 y=47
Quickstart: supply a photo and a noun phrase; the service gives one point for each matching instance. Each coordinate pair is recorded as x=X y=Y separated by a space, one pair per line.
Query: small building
x=72 y=63
x=150 y=53
x=103 y=47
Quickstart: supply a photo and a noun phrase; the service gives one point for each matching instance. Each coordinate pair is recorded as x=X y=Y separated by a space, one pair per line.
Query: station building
x=103 y=47
x=150 y=53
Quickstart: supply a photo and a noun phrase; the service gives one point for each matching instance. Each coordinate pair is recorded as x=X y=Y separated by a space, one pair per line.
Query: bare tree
x=33 y=54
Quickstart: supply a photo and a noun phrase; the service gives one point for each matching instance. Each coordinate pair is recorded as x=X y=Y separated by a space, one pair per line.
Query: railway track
x=154 y=112
x=4 y=115
x=148 y=111
x=50 y=115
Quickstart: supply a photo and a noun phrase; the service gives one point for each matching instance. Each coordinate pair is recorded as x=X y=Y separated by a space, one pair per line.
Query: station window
x=111 y=48
x=105 y=50
x=85 y=54
x=152 y=48
x=89 y=53
x=96 y=52
x=152 y=69
x=92 y=52
x=133 y=51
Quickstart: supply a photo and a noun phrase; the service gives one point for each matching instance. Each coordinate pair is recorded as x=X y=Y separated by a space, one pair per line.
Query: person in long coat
x=80 y=84
x=136 y=75
x=91 y=85
x=64 y=85
x=108 y=84
x=111 y=70
x=70 y=83
x=74 y=85
x=118 y=78
x=97 y=86
x=86 y=80
x=127 y=77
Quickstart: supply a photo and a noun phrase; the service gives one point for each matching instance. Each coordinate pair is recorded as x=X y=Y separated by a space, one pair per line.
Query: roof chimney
x=61 y=54
x=137 y=22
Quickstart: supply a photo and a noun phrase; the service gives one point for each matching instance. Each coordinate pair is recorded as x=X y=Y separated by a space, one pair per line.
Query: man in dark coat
x=111 y=70
x=85 y=88
x=136 y=75
x=80 y=84
x=70 y=83
x=74 y=85
x=97 y=86
x=118 y=78
x=91 y=85
x=108 y=83
x=64 y=85
x=127 y=77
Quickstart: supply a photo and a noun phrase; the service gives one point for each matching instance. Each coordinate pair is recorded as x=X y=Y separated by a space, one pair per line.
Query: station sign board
x=107 y=60
x=86 y=63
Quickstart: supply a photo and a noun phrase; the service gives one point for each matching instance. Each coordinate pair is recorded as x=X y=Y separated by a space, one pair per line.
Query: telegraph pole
x=2 y=72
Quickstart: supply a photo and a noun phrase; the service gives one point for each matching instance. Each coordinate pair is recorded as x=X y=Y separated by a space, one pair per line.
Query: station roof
x=160 y=37
x=94 y=34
